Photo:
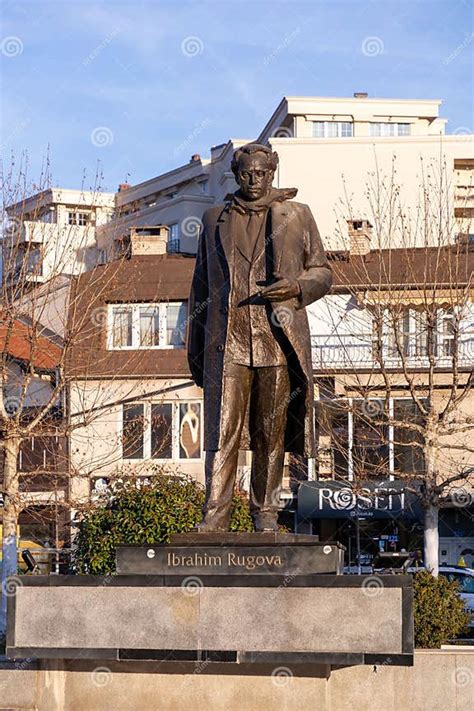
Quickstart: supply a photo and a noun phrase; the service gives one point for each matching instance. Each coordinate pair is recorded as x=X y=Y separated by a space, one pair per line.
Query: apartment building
x=334 y=150
x=128 y=371
x=29 y=371
x=393 y=345
x=53 y=233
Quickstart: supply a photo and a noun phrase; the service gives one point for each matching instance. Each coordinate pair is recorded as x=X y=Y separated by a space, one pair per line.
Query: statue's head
x=254 y=166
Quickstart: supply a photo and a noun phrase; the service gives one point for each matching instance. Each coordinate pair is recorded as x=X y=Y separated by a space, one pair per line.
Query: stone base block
x=234 y=619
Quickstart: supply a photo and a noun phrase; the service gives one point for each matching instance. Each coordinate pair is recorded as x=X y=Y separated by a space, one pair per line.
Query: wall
x=320 y=167
x=439 y=680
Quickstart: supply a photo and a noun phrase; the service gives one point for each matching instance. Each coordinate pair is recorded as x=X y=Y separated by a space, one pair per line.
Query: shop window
x=165 y=430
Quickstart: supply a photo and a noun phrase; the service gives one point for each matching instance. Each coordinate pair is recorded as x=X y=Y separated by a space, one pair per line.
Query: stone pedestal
x=253 y=601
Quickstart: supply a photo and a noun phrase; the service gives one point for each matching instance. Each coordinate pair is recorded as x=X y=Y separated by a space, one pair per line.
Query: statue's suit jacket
x=298 y=253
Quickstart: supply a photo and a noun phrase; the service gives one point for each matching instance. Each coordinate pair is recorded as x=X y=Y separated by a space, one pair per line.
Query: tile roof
x=25 y=342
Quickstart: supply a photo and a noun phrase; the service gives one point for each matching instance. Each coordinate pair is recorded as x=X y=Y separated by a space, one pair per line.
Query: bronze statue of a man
x=260 y=261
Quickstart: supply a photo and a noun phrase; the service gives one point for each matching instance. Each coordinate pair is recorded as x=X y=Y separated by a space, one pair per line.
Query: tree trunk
x=431 y=539
x=10 y=520
x=431 y=499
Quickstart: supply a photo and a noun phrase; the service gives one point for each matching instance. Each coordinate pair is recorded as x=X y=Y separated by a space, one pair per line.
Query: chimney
x=195 y=158
x=148 y=240
x=360 y=235
x=123 y=186
x=360 y=95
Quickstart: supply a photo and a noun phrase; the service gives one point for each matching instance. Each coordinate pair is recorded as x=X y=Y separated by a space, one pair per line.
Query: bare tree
x=399 y=344
x=44 y=323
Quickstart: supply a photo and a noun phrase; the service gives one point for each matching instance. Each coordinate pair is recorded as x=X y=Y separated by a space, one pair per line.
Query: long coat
x=298 y=253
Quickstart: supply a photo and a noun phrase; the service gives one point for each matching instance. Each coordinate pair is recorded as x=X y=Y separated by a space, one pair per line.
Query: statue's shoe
x=208 y=528
x=265 y=522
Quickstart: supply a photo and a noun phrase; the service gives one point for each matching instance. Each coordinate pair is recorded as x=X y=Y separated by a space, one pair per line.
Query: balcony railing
x=349 y=351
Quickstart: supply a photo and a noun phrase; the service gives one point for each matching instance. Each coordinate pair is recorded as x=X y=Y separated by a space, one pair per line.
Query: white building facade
x=336 y=151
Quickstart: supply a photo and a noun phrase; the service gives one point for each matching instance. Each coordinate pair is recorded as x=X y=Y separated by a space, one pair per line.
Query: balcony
x=357 y=352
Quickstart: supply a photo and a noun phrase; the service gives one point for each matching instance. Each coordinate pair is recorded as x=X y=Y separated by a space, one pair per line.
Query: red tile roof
x=26 y=343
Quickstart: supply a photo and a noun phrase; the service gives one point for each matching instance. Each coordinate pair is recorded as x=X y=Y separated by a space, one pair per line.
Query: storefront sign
x=335 y=499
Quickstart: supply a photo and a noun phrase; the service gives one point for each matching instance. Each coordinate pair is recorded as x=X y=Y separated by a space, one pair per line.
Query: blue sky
x=137 y=87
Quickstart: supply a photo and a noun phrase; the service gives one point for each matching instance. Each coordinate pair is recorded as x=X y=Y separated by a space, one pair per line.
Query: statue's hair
x=250 y=148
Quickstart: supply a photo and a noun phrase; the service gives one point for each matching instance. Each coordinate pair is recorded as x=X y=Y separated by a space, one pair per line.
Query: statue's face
x=254 y=175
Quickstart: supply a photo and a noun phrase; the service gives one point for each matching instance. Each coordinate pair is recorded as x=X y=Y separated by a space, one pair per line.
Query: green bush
x=439 y=612
x=138 y=514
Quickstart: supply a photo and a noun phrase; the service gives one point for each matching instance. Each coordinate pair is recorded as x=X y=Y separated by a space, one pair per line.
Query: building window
x=332 y=129
x=28 y=261
x=136 y=326
x=370 y=444
x=397 y=333
x=368 y=439
x=34 y=261
x=415 y=333
x=133 y=430
x=446 y=333
x=173 y=232
x=122 y=327
x=190 y=430
x=174 y=246
x=384 y=130
x=173 y=238
x=162 y=431
x=204 y=185
x=78 y=218
x=407 y=450
x=49 y=216
x=149 y=326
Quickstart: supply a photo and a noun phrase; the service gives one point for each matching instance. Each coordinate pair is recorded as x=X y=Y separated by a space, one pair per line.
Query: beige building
x=53 y=233
x=128 y=378
x=331 y=149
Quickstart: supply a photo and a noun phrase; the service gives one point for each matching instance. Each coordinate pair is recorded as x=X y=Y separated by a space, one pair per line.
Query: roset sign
x=381 y=498
x=332 y=499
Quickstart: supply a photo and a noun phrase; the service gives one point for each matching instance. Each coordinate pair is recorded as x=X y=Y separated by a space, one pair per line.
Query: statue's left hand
x=281 y=290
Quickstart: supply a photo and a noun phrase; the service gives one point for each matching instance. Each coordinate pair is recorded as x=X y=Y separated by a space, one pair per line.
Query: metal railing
x=350 y=351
